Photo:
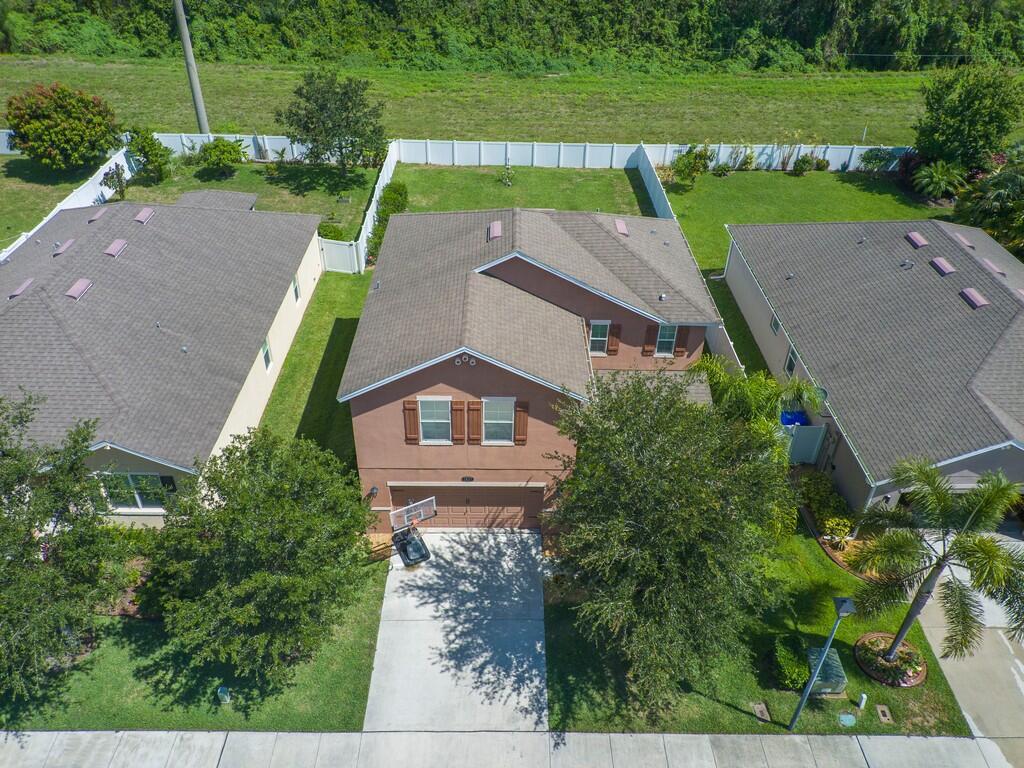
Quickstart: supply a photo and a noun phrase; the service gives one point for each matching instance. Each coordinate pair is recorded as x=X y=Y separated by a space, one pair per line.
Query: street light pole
x=190 y=67
x=844 y=607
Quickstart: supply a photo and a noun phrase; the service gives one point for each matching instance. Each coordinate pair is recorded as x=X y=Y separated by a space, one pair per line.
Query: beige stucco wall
x=116 y=460
x=590 y=306
x=383 y=456
x=255 y=392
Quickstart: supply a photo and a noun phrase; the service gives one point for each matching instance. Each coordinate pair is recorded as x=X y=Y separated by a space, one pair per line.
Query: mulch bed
x=833 y=555
x=861 y=647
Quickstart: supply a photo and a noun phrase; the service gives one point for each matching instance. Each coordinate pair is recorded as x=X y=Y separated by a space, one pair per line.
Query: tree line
x=531 y=35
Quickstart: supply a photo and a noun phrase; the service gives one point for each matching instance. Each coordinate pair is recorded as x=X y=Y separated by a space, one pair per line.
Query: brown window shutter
x=411 y=412
x=458 y=422
x=519 y=425
x=681 y=336
x=614 y=332
x=650 y=341
x=474 y=421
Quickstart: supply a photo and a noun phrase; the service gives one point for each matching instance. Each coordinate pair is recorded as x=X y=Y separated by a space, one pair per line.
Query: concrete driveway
x=461 y=640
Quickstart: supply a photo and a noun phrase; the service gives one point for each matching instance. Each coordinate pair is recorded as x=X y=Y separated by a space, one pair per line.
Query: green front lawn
x=296 y=188
x=124 y=684
x=28 y=192
x=304 y=401
x=444 y=188
x=761 y=197
x=585 y=693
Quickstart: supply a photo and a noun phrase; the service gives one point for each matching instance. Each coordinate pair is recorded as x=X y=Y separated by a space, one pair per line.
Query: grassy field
x=772 y=198
x=294 y=188
x=584 y=692
x=833 y=107
x=434 y=188
x=28 y=192
x=124 y=684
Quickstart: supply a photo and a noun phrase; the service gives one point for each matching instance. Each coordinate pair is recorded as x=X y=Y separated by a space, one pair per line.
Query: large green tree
x=969 y=112
x=996 y=203
x=335 y=119
x=62 y=128
x=52 y=550
x=665 y=516
x=259 y=554
x=939 y=533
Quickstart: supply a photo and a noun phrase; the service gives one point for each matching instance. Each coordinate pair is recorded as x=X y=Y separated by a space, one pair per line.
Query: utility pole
x=190 y=67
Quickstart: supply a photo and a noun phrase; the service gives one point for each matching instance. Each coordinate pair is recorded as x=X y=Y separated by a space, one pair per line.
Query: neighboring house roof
x=213 y=198
x=697 y=388
x=431 y=294
x=911 y=369
x=159 y=345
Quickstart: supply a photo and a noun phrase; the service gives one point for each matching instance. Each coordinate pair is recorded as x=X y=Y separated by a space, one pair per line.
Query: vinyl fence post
x=586 y=151
x=611 y=163
x=559 y=154
x=666 y=153
x=426 y=144
x=826 y=155
x=533 y=154
x=453 y=153
x=853 y=153
x=508 y=155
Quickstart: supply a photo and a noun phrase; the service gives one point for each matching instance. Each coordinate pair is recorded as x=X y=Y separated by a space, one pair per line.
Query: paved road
x=461 y=640
x=164 y=749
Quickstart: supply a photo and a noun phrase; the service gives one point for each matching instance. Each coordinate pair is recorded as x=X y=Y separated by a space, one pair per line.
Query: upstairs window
x=499 y=420
x=776 y=324
x=265 y=351
x=435 y=420
x=599 y=337
x=295 y=288
x=791 y=362
x=666 y=346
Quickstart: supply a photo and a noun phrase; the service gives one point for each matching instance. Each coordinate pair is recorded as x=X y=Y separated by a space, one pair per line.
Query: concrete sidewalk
x=171 y=749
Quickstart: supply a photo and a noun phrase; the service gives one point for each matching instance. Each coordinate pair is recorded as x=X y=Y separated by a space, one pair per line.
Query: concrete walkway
x=170 y=749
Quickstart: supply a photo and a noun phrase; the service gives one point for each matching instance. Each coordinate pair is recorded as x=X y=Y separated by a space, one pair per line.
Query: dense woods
x=533 y=35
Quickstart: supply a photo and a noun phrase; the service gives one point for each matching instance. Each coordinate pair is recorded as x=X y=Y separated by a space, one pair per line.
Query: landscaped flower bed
x=905 y=671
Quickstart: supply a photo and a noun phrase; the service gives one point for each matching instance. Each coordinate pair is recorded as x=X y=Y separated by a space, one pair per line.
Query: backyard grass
x=585 y=693
x=295 y=188
x=123 y=684
x=437 y=188
x=629 y=107
x=28 y=192
x=304 y=401
x=773 y=198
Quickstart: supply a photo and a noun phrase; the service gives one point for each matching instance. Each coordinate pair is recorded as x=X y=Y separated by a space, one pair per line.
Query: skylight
x=20 y=289
x=620 y=227
x=963 y=240
x=917 y=239
x=493 y=230
x=77 y=291
x=97 y=214
x=974 y=298
x=64 y=246
x=116 y=248
x=993 y=267
x=144 y=215
x=942 y=265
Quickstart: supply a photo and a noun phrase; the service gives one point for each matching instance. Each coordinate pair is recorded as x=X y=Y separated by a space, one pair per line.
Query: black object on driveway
x=410 y=545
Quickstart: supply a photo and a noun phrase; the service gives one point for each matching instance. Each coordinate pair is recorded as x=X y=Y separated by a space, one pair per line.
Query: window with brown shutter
x=522 y=418
x=474 y=421
x=650 y=341
x=614 y=333
x=681 y=336
x=458 y=422
x=411 y=413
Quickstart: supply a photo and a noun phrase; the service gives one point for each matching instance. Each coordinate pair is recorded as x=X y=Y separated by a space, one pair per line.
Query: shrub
x=994 y=203
x=821 y=164
x=791 y=670
x=507 y=175
x=803 y=165
x=220 y=156
x=394 y=198
x=60 y=127
x=877 y=159
x=939 y=179
x=722 y=169
x=331 y=231
x=153 y=157
x=692 y=163
x=666 y=175
x=116 y=180
x=829 y=510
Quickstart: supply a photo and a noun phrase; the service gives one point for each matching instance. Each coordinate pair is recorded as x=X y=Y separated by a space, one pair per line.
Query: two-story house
x=479 y=323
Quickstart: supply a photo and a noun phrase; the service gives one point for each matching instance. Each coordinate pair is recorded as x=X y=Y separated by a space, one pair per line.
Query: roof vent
x=144 y=215
x=790 y=276
x=116 y=248
x=62 y=247
x=493 y=230
x=79 y=288
x=942 y=265
x=907 y=264
x=974 y=298
x=993 y=267
x=620 y=227
x=963 y=240
x=662 y=297
x=20 y=289
x=917 y=239
x=97 y=214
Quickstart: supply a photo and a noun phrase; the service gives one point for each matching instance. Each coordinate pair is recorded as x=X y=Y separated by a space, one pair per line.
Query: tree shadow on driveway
x=486 y=592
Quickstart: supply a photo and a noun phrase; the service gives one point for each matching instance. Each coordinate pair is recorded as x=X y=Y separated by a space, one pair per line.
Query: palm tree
x=939 y=179
x=759 y=396
x=910 y=547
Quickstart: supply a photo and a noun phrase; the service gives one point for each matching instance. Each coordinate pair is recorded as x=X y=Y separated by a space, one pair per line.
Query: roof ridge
x=976 y=257
x=973 y=386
